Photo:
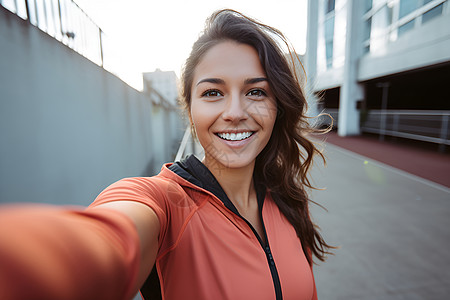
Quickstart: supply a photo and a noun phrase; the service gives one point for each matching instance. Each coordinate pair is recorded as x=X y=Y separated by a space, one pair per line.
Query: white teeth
x=235 y=136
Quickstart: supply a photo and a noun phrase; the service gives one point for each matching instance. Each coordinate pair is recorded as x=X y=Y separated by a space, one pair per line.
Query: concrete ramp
x=393 y=230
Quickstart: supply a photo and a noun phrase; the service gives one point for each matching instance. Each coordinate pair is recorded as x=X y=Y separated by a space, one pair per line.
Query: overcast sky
x=159 y=34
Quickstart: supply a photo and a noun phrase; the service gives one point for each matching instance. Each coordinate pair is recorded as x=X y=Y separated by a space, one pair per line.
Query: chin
x=231 y=162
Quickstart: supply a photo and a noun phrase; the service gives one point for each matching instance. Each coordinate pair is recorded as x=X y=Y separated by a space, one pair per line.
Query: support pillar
x=311 y=57
x=351 y=90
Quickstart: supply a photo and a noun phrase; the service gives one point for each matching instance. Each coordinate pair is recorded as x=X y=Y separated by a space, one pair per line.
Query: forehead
x=229 y=60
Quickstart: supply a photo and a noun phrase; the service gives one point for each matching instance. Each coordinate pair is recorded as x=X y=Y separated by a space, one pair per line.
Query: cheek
x=265 y=113
x=201 y=118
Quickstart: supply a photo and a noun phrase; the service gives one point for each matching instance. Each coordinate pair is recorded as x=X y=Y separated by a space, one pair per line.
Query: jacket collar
x=193 y=173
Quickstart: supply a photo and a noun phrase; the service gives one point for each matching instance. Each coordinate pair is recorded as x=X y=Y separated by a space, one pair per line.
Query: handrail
x=422 y=125
x=65 y=21
x=410 y=112
x=184 y=141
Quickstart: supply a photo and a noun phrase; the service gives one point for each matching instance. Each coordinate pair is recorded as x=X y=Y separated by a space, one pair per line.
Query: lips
x=235 y=136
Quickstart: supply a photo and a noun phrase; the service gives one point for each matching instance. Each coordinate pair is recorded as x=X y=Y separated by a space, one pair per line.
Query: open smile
x=238 y=136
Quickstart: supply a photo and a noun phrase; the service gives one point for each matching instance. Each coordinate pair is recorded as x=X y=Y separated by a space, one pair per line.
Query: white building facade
x=165 y=83
x=369 y=57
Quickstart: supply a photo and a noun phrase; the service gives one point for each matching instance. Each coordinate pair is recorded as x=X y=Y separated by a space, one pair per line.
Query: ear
x=191 y=123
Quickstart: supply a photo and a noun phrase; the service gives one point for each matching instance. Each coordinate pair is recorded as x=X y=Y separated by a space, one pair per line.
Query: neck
x=237 y=183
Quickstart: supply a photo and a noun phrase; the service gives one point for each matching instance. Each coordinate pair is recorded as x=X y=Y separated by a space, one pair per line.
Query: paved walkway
x=392 y=227
x=426 y=163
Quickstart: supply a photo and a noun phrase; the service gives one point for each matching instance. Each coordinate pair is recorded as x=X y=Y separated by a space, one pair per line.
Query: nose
x=235 y=110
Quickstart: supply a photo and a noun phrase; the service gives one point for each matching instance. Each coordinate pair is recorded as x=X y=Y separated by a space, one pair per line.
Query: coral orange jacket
x=51 y=253
x=206 y=251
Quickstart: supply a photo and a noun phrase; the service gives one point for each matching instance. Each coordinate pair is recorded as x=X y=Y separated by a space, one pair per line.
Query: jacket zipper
x=270 y=260
x=266 y=248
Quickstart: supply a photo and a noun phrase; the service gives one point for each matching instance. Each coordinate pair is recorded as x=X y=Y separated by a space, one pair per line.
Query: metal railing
x=65 y=21
x=188 y=146
x=422 y=125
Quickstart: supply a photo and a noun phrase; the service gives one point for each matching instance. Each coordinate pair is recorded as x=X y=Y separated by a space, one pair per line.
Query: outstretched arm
x=48 y=252
x=147 y=225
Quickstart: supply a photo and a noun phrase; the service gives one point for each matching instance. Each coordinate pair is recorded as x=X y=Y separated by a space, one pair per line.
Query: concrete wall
x=68 y=128
x=329 y=79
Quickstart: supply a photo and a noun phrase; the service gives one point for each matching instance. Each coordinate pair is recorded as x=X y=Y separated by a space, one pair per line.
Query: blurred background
x=88 y=95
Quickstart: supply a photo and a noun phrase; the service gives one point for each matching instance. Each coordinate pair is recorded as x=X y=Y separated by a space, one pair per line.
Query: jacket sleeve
x=49 y=252
x=150 y=191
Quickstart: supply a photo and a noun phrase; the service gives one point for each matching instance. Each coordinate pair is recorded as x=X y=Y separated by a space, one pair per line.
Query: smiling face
x=232 y=107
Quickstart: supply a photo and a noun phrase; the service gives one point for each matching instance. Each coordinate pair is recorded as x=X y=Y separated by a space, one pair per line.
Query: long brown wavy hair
x=284 y=163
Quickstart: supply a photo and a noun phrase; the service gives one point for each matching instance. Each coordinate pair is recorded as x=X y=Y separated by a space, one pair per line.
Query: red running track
x=425 y=163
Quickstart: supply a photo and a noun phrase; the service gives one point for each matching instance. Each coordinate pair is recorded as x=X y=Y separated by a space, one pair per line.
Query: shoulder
x=140 y=189
x=138 y=184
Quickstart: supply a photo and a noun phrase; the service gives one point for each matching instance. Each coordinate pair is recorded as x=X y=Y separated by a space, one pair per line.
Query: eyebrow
x=255 y=80
x=221 y=81
x=212 y=80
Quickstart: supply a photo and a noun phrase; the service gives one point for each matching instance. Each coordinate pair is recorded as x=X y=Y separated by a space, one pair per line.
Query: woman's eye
x=212 y=93
x=257 y=92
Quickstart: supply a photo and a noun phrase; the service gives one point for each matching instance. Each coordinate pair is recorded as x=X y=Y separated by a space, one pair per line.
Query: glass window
x=329 y=6
x=407 y=6
x=329 y=53
x=432 y=13
x=406 y=27
x=426 y=1
x=367 y=28
x=329 y=28
x=329 y=36
x=389 y=14
x=367 y=5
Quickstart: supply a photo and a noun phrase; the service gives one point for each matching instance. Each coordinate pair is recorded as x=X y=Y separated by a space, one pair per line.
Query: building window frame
x=329 y=38
x=416 y=16
x=330 y=6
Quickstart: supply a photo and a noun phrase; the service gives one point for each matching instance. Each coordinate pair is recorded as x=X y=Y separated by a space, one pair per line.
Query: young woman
x=235 y=225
